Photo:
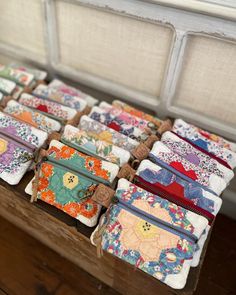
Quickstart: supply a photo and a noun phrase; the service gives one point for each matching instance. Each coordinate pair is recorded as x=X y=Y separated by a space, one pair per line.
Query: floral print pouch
x=38 y=74
x=63 y=87
x=36 y=119
x=7 y=86
x=67 y=179
x=135 y=112
x=20 y=77
x=88 y=144
x=196 y=156
x=51 y=93
x=102 y=132
x=121 y=122
x=18 y=143
x=218 y=147
x=51 y=108
x=151 y=233
x=163 y=156
x=189 y=195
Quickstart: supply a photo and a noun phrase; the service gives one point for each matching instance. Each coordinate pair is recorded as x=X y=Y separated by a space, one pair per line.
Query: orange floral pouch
x=67 y=179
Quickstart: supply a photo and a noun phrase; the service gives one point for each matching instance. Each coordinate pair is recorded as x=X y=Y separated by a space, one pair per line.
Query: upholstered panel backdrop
x=21 y=25
x=124 y=50
x=207 y=80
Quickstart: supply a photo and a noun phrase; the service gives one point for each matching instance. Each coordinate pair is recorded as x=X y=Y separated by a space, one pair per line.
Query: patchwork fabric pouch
x=18 y=144
x=39 y=75
x=121 y=122
x=189 y=195
x=54 y=94
x=36 y=119
x=88 y=144
x=6 y=86
x=136 y=112
x=165 y=157
x=102 y=132
x=194 y=155
x=151 y=233
x=216 y=147
x=50 y=108
x=22 y=78
x=61 y=86
x=67 y=179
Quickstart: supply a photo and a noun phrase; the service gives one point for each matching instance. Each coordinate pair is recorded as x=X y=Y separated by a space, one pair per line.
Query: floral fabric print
x=190 y=132
x=135 y=112
x=52 y=108
x=20 y=77
x=38 y=74
x=193 y=155
x=6 y=86
x=88 y=144
x=88 y=165
x=12 y=156
x=161 y=153
x=31 y=117
x=46 y=92
x=121 y=122
x=156 y=175
x=102 y=132
x=57 y=84
x=146 y=245
x=67 y=191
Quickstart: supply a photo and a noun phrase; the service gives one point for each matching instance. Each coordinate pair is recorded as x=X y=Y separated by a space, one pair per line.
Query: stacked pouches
x=67 y=179
x=102 y=132
x=34 y=118
x=220 y=148
x=136 y=112
x=50 y=108
x=88 y=144
x=151 y=233
x=59 y=96
x=189 y=195
x=164 y=156
x=122 y=122
x=196 y=156
x=66 y=89
x=18 y=144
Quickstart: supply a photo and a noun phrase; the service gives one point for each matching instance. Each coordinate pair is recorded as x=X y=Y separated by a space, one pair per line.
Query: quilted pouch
x=88 y=144
x=136 y=112
x=54 y=94
x=219 y=147
x=151 y=233
x=18 y=144
x=122 y=122
x=22 y=78
x=6 y=86
x=39 y=75
x=102 y=132
x=63 y=87
x=67 y=179
x=163 y=156
x=189 y=195
x=194 y=155
x=50 y=108
x=36 y=119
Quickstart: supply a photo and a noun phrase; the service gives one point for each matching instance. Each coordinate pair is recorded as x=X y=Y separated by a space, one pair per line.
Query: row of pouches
x=182 y=176
x=94 y=142
x=16 y=78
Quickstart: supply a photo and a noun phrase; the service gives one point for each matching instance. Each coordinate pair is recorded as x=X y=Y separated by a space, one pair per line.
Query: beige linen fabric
x=21 y=25
x=207 y=81
x=124 y=50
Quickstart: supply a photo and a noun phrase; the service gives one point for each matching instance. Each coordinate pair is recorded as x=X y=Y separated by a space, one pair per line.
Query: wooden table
x=71 y=240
